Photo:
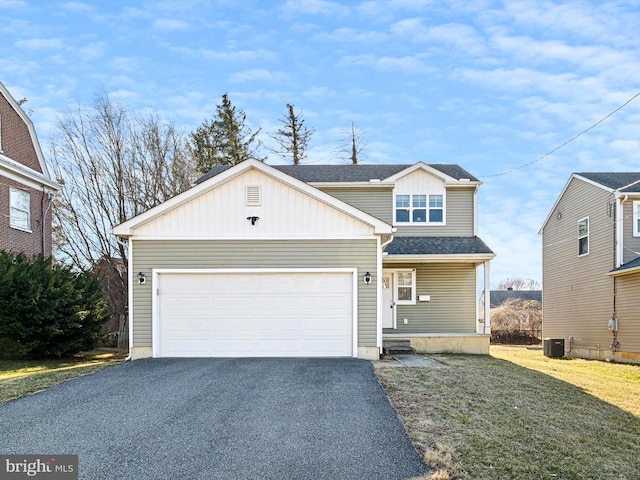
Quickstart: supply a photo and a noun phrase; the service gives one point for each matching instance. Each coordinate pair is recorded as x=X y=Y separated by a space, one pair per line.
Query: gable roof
x=403 y=248
x=350 y=173
x=498 y=297
x=16 y=168
x=615 y=180
x=127 y=228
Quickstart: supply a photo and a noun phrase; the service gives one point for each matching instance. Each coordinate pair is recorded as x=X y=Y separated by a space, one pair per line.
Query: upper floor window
x=419 y=208
x=636 y=218
x=583 y=236
x=20 y=209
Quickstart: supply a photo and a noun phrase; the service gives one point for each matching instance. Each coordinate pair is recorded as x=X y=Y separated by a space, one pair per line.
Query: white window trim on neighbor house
x=20 y=207
x=636 y=218
x=397 y=274
x=582 y=237
x=413 y=203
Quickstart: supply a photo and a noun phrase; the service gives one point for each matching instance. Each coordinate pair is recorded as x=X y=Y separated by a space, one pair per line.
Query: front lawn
x=519 y=415
x=22 y=377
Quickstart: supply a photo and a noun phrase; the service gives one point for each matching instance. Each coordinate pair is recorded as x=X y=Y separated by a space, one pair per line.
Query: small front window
x=402 y=208
x=419 y=208
x=583 y=236
x=436 y=209
x=20 y=209
x=406 y=287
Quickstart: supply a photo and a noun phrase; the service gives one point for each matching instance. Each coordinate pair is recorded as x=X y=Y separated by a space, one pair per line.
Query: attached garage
x=255 y=313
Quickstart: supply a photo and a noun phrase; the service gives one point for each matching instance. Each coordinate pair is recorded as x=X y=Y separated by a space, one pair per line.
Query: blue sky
x=489 y=85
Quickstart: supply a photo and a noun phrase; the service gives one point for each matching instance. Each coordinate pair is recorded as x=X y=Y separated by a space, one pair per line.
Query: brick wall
x=19 y=241
x=16 y=141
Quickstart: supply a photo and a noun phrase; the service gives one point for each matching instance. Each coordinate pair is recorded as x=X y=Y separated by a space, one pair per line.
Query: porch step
x=397 y=347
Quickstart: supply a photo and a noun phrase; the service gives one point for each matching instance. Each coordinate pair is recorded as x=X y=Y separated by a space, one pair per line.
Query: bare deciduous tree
x=517 y=283
x=112 y=165
x=353 y=145
x=293 y=137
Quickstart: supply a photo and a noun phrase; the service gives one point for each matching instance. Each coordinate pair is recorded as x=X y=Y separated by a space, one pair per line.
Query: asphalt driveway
x=218 y=419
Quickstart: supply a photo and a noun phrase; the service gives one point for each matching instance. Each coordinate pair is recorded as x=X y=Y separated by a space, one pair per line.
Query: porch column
x=487 y=300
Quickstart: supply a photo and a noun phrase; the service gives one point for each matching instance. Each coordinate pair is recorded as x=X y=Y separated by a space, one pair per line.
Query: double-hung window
x=636 y=218
x=419 y=208
x=583 y=236
x=20 y=209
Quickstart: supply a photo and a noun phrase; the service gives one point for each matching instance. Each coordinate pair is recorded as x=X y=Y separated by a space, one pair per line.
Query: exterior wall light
x=367 y=278
x=141 y=278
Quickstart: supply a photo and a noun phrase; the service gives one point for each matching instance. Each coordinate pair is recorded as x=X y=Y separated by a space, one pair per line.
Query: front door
x=388 y=304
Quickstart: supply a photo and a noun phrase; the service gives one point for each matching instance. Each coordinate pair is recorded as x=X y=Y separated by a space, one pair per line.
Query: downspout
x=43 y=223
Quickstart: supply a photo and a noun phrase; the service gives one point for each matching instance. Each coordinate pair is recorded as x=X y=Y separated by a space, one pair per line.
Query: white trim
x=414 y=296
x=587 y=236
x=465 y=258
x=156 y=272
x=368 y=184
x=475 y=211
x=32 y=131
x=427 y=168
x=128 y=228
x=379 y=274
x=635 y=218
x=13 y=192
x=25 y=175
x=427 y=209
x=130 y=295
x=251 y=238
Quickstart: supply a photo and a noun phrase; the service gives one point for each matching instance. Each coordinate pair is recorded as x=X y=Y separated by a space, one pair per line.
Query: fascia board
x=450 y=258
x=623 y=272
x=380 y=184
x=22 y=173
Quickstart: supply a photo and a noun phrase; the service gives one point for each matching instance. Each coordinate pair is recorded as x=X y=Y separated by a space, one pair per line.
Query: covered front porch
x=429 y=292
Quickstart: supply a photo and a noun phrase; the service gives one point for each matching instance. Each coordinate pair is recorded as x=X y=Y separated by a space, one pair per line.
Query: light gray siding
x=374 y=201
x=452 y=308
x=154 y=254
x=459 y=218
x=577 y=292
x=628 y=312
x=631 y=243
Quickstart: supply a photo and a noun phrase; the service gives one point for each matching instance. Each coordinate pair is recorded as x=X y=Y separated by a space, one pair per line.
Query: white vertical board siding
x=222 y=213
x=577 y=292
x=452 y=309
x=249 y=254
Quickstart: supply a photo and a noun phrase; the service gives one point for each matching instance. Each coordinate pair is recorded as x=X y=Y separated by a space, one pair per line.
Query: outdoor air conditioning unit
x=553 y=347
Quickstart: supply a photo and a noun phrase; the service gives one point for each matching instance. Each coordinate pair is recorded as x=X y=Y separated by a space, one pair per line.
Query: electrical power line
x=567 y=142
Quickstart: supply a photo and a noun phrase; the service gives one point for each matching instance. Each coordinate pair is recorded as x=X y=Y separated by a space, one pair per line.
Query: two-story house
x=26 y=188
x=591 y=267
x=309 y=260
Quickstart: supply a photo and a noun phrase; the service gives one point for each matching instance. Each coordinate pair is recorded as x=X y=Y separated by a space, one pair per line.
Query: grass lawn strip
x=22 y=377
x=485 y=417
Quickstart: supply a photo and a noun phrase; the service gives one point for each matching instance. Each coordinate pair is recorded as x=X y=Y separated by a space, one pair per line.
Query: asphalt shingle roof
x=437 y=246
x=615 y=180
x=349 y=173
x=498 y=297
x=631 y=264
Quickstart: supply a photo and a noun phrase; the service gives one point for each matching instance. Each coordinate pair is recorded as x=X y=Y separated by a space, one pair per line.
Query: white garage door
x=254 y=314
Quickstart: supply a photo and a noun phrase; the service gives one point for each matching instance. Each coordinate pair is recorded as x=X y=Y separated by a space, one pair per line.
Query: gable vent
x=253 y=198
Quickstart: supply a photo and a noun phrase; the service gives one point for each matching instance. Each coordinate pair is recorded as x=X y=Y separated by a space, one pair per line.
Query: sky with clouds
x=490 y=85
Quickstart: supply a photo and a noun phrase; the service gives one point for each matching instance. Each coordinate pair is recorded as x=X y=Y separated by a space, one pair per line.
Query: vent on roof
x=252 y=196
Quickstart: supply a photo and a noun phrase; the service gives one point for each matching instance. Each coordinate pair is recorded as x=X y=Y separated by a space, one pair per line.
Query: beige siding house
x=591 y=267
x=309 y=260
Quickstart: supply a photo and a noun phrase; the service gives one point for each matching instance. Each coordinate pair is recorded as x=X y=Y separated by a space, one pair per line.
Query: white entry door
x=255 y=314
x=388 y=302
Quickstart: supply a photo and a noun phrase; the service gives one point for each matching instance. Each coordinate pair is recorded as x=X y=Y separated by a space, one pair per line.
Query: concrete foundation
x=477 y=344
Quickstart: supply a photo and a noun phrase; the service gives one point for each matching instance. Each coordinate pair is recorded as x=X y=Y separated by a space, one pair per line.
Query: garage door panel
x=274 y=314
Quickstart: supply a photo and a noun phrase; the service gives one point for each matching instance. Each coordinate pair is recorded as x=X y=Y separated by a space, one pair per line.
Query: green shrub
x=47 y=309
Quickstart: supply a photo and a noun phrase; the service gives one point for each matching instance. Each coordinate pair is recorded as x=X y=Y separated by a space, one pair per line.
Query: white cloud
x=257 y=75
x=169 y=24
x=315 y=7
x=40 y=43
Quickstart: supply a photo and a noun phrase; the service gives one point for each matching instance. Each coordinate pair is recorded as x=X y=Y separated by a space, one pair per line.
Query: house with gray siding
x=309 y=260
x=591 y=267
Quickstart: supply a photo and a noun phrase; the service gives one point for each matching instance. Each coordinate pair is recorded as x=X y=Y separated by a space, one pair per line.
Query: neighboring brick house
x=26 y=188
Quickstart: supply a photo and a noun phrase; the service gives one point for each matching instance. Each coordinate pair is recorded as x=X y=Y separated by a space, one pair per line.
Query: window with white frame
x=20 y=209
x=636 y=218
x=583 y=236
x=419 y=209
x=405 y=287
